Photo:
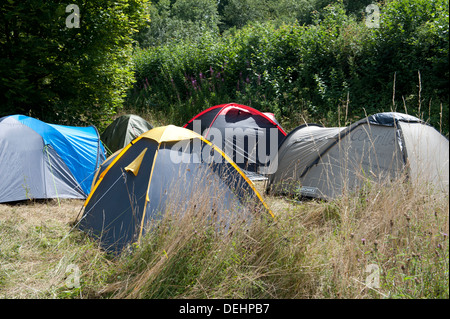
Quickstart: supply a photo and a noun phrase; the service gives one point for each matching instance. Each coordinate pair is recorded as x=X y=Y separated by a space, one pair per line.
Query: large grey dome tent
x=320 y=162
x=123 y=130
x=40 y=160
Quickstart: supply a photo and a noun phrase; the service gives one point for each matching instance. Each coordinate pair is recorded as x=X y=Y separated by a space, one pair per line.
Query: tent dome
x=41 y=160
x=315 y=161
x=123 y=130
x=165 y=169
x=250 y=137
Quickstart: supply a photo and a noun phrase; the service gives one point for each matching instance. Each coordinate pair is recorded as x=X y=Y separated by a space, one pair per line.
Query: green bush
x=317 y=72
x=62 y=74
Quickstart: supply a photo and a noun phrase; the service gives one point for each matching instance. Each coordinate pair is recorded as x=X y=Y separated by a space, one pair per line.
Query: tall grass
x=39 y=250
x=311 y=250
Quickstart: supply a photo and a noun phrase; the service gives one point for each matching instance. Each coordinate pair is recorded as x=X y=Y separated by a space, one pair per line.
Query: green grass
x=37 y=247
x=312 y=249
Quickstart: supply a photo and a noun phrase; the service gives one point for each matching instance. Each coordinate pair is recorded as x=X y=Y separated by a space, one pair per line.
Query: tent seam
x=146 y=193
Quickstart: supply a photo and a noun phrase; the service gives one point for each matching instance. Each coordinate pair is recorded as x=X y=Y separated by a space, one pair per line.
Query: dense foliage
x=304 y=60
x=58 y=72
x=333 y=69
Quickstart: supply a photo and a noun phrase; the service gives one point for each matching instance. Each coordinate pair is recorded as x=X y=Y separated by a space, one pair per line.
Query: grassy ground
x=38 y=248
x=388 y=241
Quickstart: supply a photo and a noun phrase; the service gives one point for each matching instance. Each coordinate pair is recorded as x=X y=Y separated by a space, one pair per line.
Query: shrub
x=307 y=71
x=61 y=74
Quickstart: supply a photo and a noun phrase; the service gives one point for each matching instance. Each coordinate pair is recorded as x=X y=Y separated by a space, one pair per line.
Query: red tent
x=248 y=136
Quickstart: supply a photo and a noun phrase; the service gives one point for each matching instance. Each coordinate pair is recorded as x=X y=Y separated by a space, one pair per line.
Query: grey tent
x=40 y=160
x=315 y=161
x=123 y=130
x=167 y=169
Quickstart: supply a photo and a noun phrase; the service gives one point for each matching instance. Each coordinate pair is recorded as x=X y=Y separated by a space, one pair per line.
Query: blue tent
x=41 y=160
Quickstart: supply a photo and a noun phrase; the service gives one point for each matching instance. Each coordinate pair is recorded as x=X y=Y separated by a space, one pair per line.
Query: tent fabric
x=40 y=160
x=250 y=137
x=428 y=154
x=320 y=162
x=123 y=130
x=178 y=168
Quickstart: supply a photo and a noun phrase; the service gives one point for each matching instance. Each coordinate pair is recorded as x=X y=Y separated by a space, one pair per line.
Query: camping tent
x=315 y=161
x=165 y=169
x=123 y=130
x=250 y=137
x=40 y=160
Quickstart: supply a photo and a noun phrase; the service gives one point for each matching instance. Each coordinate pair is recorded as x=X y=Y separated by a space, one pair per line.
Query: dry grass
x=38 y=245
x=312 y=249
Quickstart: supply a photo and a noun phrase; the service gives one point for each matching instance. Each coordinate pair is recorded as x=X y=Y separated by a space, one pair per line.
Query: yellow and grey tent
x=164 y=169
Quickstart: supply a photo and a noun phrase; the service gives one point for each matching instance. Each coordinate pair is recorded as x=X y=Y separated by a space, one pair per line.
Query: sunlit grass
x=312 y=249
